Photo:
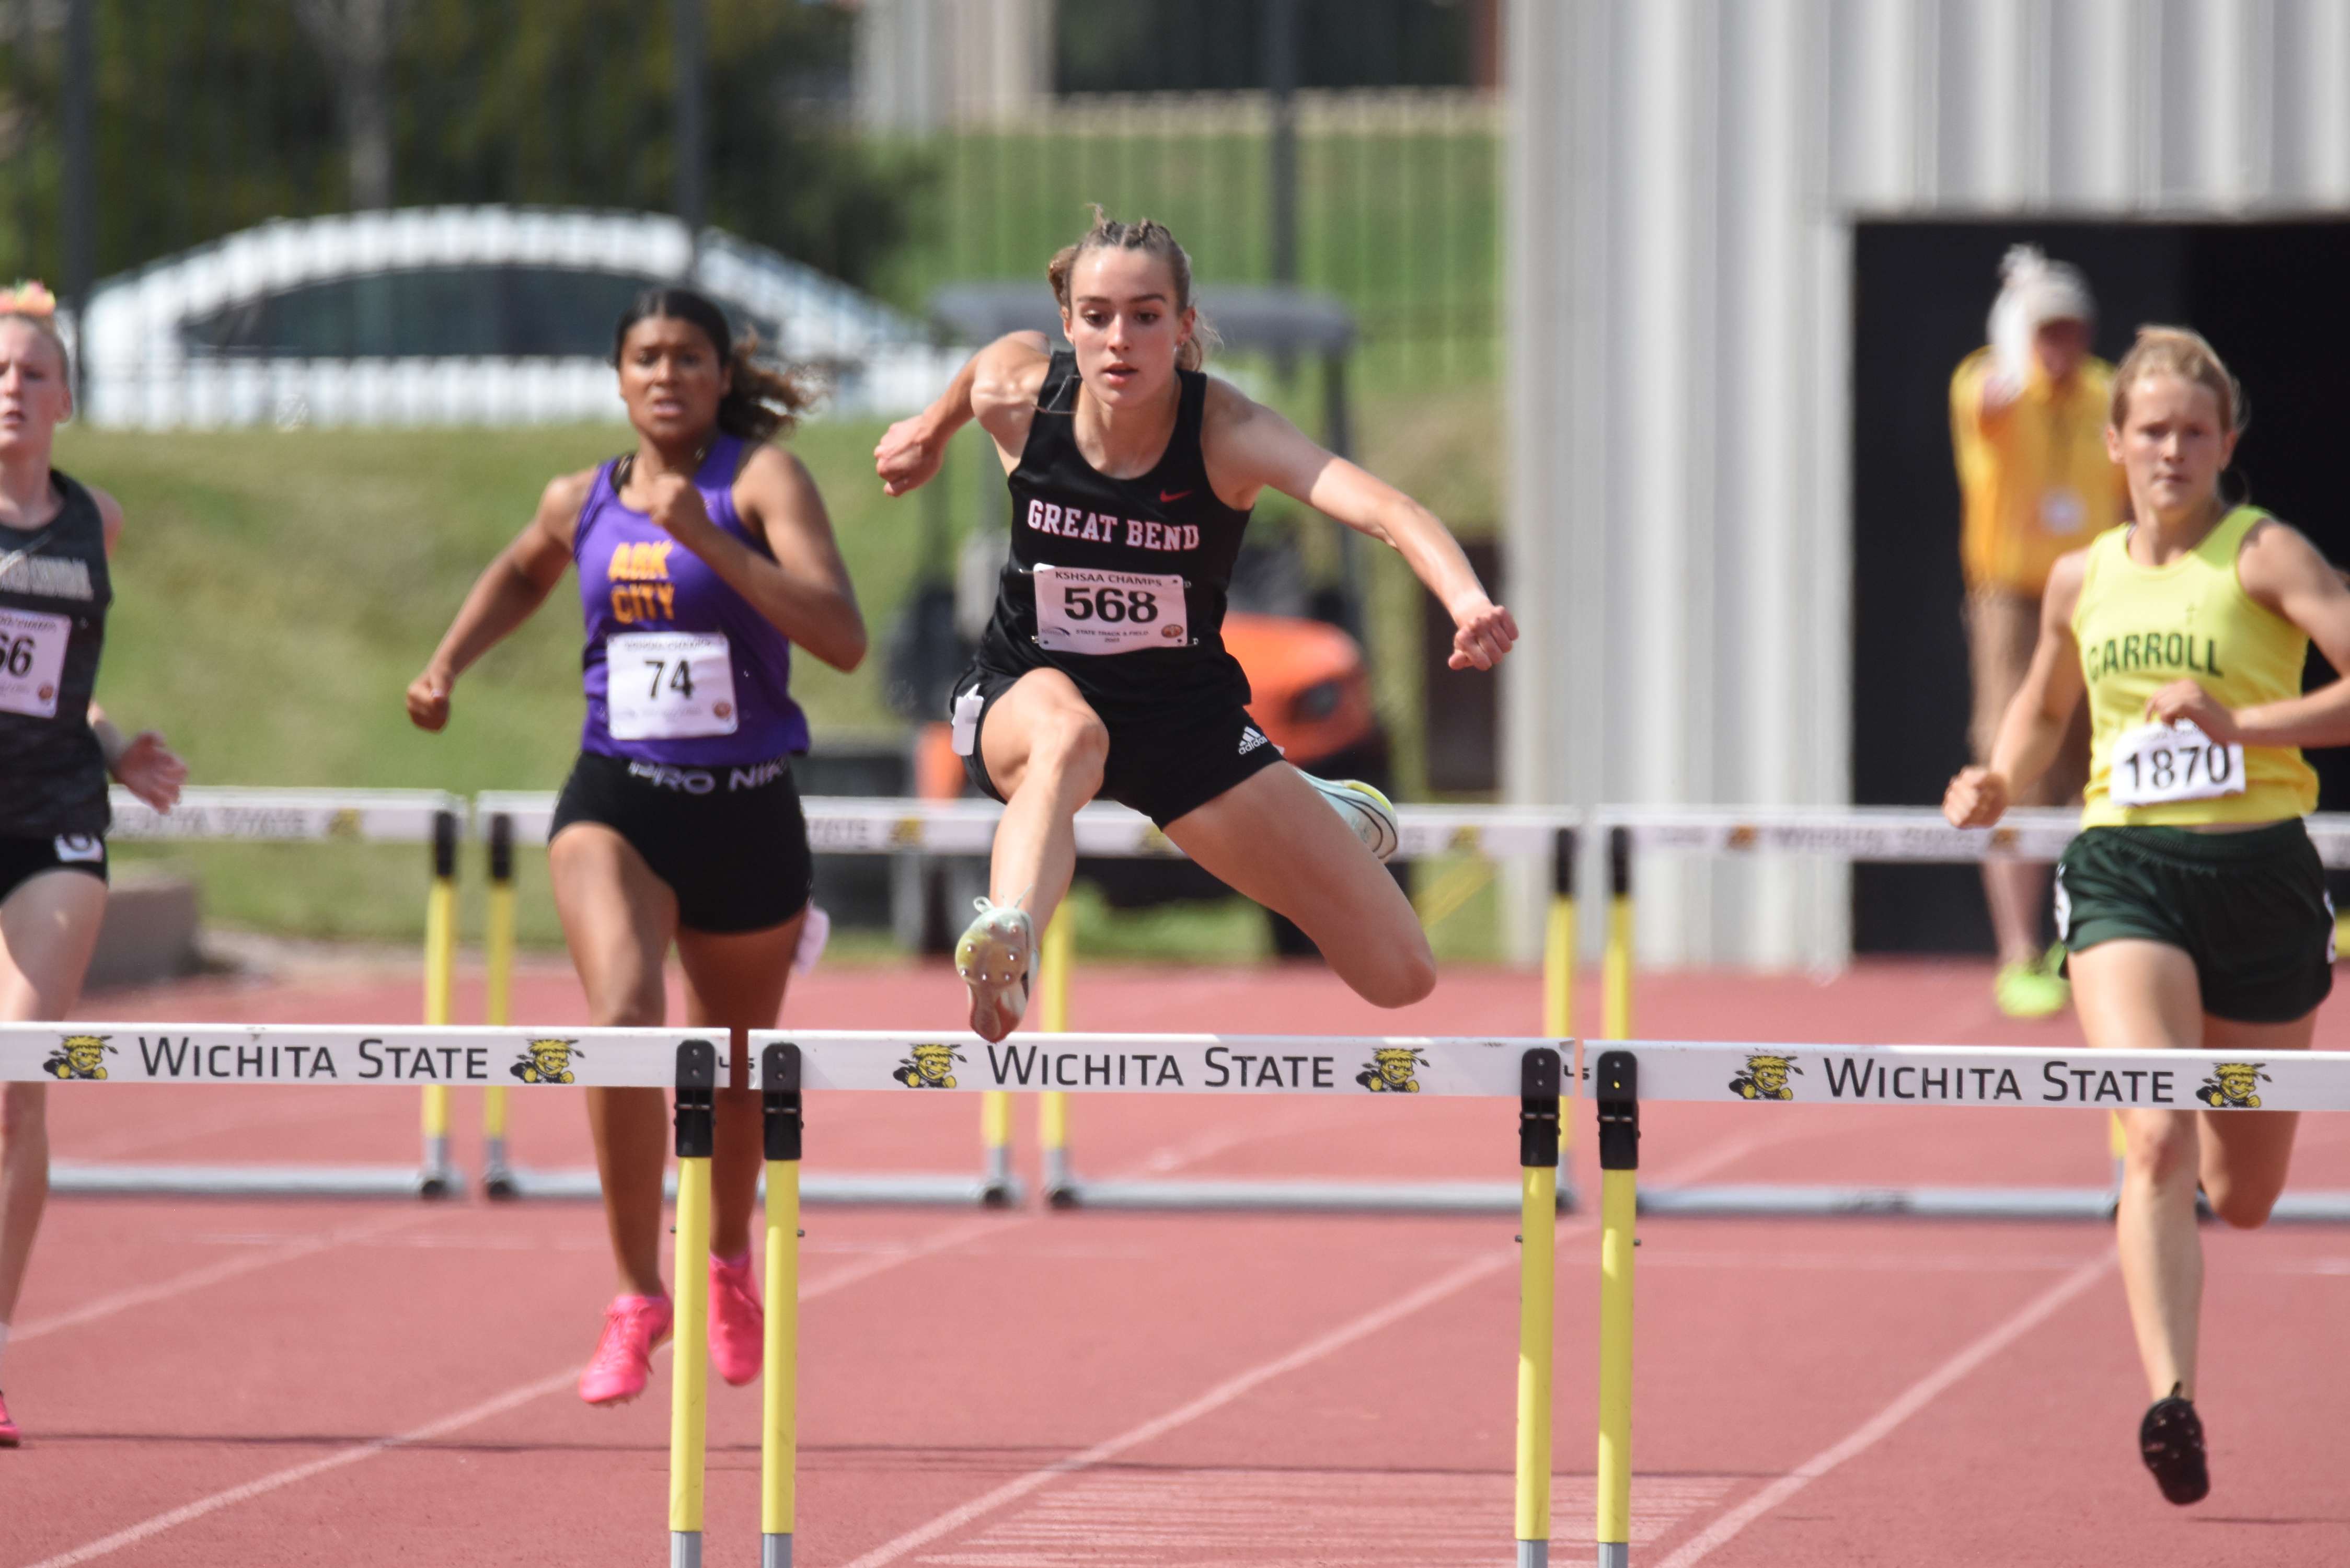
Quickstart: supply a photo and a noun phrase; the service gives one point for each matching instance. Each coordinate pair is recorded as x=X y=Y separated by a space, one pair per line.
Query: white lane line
x=148 y=1529
x=210 y=1275
x=1241 y=1384
x=513 y=1398
x=1215 y=1400
x=1911 y=1400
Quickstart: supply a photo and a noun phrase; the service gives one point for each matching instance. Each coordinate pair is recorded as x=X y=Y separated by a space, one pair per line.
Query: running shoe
x=1370 y=814
x=10 y=1436
x=994 y=956
x=2171 y=1441
x=2032 y=990
x=624 y=1356
x=738 y=1328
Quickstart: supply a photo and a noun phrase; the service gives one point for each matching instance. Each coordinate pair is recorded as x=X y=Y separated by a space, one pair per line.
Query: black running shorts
x=22 y=859
x=2249 y=907
x=731 y=843
x=1164 y=763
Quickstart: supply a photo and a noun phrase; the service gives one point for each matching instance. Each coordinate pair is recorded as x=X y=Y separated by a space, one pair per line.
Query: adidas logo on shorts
x=1251 y=739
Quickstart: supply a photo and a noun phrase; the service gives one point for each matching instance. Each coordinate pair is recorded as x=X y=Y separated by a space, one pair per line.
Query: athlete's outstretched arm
x=805 y=591
x=997 y=387
x=2281 y=571
x=513 y=586
x=1249 y=446
x=2032 y=732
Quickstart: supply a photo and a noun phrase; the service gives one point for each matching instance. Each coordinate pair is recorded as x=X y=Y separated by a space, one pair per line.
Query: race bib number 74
x=669 y=685
x=1083 y=611
x=2154 y=765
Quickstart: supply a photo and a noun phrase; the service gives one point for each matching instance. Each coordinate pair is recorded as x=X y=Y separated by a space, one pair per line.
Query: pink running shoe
x=738 y=1326
x=10 y=1436
x=623 y=1360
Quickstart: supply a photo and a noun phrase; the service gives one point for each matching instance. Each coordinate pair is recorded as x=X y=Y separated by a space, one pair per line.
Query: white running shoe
x=993 y=956
x=1370 y=814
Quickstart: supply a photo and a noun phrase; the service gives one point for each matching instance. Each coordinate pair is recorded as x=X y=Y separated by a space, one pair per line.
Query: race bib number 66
x=2154 y=764
x=1082 y=611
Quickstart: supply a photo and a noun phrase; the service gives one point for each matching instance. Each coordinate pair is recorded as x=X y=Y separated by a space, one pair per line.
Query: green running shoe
x=2031 y=990
x=994 y=956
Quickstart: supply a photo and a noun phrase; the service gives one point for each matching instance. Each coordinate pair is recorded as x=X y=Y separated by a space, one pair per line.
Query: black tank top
x=1067 y=514
x=53 y=592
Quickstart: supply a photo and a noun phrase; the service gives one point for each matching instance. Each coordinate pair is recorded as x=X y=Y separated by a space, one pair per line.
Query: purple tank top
x=656 y=613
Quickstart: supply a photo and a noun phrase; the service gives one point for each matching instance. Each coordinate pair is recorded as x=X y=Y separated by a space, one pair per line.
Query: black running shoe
x=2171 y=1440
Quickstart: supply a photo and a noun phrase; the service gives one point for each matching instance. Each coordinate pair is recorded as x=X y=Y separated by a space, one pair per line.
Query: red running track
x=209 y=1383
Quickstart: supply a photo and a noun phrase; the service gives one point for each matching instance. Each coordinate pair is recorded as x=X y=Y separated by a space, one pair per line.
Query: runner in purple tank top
x=704 y=555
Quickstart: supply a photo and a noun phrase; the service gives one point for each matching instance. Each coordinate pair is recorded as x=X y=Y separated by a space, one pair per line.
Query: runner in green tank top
x=2192 y=905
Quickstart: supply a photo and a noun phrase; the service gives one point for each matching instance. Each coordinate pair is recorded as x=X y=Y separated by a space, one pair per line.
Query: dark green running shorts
x=2249 y=907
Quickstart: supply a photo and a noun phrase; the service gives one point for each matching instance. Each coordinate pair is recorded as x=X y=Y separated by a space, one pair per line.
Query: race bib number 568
x=2154 y=764
x=1082 y=611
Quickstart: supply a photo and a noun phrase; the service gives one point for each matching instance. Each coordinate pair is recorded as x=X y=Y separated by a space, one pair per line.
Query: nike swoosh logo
x=1173 y=494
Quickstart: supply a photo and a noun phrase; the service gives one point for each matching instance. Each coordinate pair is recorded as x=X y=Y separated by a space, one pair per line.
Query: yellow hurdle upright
x=439 y=1177
x=779 y=1084
x=1559 y=955
x=1059 y=958
x=1540 y=1073
x=697 y=1087
x=1614 y=1090
x=1616 y=973
x=498 y=954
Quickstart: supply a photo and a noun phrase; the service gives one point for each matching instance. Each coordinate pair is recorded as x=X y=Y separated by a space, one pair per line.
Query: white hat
x=2044 y=290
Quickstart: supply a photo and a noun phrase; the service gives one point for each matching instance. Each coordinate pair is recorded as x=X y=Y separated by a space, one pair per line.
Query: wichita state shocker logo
x=78 y=1056
x=2232 y=1087
x=1765 y=1078
x=1392 y=1070
x=928 y=1067
x=546 y=1062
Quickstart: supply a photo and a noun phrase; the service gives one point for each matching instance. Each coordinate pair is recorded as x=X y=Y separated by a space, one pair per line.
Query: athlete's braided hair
x=763 y=400
x=1152 y=238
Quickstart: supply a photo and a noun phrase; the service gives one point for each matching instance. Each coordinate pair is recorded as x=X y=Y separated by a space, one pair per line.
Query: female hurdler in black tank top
x=1091 y=561
x=54 y=594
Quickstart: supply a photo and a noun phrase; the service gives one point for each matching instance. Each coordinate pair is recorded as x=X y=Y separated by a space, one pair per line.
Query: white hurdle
x=886 y=825
x=1876 y=835
x=212 y=814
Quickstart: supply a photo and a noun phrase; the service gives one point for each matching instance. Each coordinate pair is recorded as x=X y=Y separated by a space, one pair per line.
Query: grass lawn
x=276 y=592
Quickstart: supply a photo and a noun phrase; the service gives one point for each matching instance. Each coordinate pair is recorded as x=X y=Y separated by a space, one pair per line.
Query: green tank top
x=2141 y=628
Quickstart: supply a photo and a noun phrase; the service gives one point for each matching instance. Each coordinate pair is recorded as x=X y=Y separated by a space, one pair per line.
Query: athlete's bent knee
x=2160 y=1158
x=1399 y=978
x=1070 y=743
x=633 y=1007
x=2236 y=1207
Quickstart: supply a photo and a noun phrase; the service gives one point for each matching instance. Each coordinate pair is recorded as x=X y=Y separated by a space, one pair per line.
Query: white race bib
x=2153 y=765
x=32 y=661
x=669 y=685
x=1083 y=611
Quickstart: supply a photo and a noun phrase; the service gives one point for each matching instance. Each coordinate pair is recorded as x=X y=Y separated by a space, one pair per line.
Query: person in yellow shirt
x=2027 y=425
x=2193 y=904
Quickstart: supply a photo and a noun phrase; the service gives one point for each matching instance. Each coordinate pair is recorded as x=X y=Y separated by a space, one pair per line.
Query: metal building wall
x=1682 y=179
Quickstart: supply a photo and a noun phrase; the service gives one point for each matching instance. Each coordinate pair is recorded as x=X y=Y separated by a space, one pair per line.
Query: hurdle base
x=1305 y=1197
x=685 y=1549
x=846 y=1189
x=1810 y=1201
x=1533 y=1554
x=110 y=1179
x=1612 y=1554
x=775 y=1551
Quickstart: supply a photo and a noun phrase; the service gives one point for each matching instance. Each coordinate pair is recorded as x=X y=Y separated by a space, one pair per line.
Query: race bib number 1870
x=669 y=685
x=2154 y=764
x=1083 y=611
x=32 y=661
